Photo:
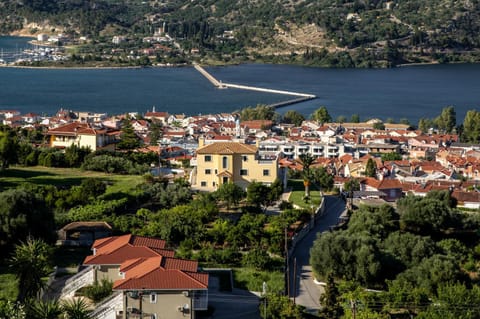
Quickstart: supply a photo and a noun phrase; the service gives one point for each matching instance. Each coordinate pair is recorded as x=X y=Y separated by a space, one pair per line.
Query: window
x=243 y=172
x=266 y=172
x=203 y=184
x=225 y=180
x=208 y=158
x=153 y=298
x=224 y=162
x=208 y=171
x=245 y=158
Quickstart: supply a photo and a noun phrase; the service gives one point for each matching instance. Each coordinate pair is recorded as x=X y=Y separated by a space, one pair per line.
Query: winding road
x=304 y=290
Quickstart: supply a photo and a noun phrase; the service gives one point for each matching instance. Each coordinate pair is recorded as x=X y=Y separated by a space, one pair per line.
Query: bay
x=409 y=92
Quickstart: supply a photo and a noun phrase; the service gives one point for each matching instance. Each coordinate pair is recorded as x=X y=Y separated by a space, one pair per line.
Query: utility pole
x=264 y=287
x=287 y=263
x=294 y=278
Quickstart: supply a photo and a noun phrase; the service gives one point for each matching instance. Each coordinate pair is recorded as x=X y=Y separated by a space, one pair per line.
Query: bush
x=98 y=291
x=257 y=258
x=112 y=164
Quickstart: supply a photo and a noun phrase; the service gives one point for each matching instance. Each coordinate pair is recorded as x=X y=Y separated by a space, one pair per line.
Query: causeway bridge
x=300 y=97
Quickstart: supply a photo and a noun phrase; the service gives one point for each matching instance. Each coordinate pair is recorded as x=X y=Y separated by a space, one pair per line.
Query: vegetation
x=320 y=33
x=419 y=255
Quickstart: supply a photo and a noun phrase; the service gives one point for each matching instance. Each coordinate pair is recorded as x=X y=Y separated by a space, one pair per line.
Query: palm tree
x=50 y=309
x=306 y=160
x=75 y=309
x=31 y=262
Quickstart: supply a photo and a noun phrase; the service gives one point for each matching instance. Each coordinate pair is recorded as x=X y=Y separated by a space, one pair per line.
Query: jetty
x=301 y=97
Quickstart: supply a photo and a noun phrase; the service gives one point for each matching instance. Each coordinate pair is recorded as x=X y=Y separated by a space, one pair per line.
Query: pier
x=219 y=84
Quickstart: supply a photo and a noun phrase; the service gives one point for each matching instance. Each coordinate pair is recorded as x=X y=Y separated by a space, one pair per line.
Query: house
x=82 y=135
x=224 y=162
x=160 y=287
x=147 y=281
x=83 y=233
x=159 y=116
x=391 y=188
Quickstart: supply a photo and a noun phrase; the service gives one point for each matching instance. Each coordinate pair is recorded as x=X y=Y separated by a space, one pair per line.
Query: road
x=304 y=290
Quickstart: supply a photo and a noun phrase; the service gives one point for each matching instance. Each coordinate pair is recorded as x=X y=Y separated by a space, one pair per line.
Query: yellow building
x=224 y=162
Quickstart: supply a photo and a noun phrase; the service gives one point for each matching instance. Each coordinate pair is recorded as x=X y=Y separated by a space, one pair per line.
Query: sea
x=411 y=92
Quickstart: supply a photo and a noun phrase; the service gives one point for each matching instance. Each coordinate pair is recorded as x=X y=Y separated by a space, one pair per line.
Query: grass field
x=298 y=192
x=16 y=176
x=251 y=279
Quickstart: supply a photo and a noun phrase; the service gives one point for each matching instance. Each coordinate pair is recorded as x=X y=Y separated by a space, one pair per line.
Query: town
x=162 y=271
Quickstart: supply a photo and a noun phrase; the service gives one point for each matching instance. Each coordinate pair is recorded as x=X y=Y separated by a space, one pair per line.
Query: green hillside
x=339 y=33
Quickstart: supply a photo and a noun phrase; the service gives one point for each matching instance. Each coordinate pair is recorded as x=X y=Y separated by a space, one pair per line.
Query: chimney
x=201 y=141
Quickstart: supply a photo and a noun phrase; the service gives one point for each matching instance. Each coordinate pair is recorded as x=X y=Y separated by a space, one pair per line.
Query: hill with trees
x=341 y=33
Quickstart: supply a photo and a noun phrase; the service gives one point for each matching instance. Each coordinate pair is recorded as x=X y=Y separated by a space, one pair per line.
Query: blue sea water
x=408 y=92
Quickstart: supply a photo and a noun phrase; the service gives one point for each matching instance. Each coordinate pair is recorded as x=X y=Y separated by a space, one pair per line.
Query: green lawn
x=8 y=284
x=298 y=193
x=16 y=176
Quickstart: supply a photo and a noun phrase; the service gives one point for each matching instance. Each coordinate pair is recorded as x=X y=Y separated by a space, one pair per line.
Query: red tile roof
x=149 y=273
x=114 y=250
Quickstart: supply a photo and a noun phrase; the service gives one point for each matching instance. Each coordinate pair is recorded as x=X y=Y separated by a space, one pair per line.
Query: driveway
x=237 y=304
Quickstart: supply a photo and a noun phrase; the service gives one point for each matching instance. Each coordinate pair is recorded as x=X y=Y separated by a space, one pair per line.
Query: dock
x=301 y=97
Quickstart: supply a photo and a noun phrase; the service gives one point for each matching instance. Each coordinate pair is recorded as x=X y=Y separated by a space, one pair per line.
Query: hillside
x=339 y=33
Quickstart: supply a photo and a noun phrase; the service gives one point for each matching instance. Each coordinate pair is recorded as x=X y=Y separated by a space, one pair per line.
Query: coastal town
x=422 y=161
x=147 y=264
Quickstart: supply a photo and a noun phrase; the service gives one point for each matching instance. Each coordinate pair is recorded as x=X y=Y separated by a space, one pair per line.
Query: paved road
x=304 y=290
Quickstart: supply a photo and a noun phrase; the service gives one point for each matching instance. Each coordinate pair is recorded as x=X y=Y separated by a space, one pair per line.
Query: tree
x=24 y=213
x=230 y=193
x=471 y=127
x=355 y=118
x=39 y=309
x=425 y=124
x=321 y=115
x=156 y=132
x=329 y=300
x=74 y=155
x=379 y=126
x=424 y=215
x=31 y=262
x=8 y=147
x=128 y=138
x=323 y=178
x=391 y=157
x=280 y=307
x=258 y=194
x=447 y=120
x=370 y=168
x=306 y=159
x=293 y=117
x=341 y=119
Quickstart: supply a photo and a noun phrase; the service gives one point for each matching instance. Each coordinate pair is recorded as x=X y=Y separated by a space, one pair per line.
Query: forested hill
x=319 y=32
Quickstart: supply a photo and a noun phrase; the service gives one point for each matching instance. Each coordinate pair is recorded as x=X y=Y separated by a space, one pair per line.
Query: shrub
x=98 y=291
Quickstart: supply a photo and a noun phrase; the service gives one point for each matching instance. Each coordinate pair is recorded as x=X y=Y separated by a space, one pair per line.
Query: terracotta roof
x=180 y=264
x=76 y=225
x=227 y=148
x=75 y=128
x=114 y=250
x=150 y=274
